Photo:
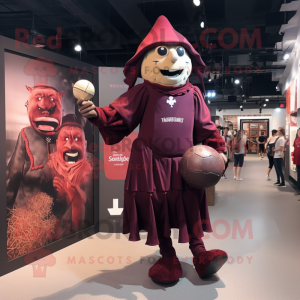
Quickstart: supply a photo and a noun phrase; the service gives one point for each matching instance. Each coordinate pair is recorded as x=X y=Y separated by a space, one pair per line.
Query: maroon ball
x=201 y=167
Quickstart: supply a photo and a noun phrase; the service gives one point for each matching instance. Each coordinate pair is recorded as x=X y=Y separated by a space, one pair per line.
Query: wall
x=278 y=118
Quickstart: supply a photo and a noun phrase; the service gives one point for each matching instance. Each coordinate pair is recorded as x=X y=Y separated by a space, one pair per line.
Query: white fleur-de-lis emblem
x=171 y=101
x=48 y=139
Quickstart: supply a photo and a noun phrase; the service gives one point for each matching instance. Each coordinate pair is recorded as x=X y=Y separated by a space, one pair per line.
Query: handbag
x=270 y=147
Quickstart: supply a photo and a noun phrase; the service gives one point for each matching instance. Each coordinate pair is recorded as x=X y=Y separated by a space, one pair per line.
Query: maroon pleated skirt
x=156 y=199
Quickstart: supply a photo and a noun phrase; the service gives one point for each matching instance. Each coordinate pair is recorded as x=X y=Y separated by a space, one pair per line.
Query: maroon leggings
x=167 y=250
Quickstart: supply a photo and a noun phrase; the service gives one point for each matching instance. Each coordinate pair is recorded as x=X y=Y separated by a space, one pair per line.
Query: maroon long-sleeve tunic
x=171 y=119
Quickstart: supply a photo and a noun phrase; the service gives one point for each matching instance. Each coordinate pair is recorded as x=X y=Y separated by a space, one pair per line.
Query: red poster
x=49 y=183
x=116 y=158
x=288 y=100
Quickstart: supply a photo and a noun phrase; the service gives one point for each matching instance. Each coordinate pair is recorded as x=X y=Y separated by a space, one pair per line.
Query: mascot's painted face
x=168 y=65
x=71 y=145
x=44 y=109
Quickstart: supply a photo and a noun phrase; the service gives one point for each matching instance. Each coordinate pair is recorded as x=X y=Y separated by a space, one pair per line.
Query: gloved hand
x=87 y=109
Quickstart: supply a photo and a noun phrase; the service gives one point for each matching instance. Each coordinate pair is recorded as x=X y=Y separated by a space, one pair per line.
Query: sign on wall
x=115 y=158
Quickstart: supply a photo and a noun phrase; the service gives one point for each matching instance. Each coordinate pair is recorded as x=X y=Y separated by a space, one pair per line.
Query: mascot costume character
x=173 y=117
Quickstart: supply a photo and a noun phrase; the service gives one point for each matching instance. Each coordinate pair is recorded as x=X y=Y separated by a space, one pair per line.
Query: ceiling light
x=265 y=104
x=196 y=2
x=38 y=45
x=241 y=106
x=211 y=94
x=78 y=48
x=208 y=101
x=237 y=81
x=267 y=99
x=202 y=24
x=277 y=109
x=209 y=79
x=286 y=56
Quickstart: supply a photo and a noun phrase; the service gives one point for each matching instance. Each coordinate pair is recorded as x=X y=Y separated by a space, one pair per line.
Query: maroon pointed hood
x=162 y=33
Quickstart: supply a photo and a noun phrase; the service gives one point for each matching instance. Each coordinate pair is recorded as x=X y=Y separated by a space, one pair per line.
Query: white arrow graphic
x=115 y=211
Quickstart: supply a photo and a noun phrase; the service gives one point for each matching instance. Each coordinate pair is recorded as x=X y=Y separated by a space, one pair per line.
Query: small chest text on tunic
x=172 y=119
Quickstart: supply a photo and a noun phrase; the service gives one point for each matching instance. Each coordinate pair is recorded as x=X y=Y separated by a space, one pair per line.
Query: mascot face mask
x=168 y=65
x=164 y=57
x=44 y=109
x=71 y=145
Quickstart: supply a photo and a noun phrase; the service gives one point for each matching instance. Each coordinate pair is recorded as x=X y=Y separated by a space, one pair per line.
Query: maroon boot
x=166 y=270
x=208 y=263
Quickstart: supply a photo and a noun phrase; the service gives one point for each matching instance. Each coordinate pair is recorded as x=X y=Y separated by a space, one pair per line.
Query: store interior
x=251 y=52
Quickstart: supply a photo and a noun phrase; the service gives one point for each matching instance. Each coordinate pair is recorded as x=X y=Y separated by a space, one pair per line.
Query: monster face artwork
x=49 y=185
x=68 y=172
x=71 y=146
x=44 y=109
x=34 y=144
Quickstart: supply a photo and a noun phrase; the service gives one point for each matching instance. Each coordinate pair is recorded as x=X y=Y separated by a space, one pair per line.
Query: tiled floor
x=264 y=259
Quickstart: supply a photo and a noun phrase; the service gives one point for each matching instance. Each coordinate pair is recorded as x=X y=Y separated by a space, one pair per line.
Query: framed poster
x=263 y=126
x=50 y=191
x=245 y=126
x=253 y=125
x=253 y=132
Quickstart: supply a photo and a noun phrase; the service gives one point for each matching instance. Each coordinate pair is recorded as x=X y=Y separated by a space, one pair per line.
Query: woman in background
x=226 y=138
x=239 y=146
x=278 y=149
x=261 y=145
x=269 y=148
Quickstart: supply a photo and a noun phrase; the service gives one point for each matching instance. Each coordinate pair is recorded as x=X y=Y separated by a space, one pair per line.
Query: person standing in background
x=227 y=140
x=247 y=143
x=269 y=148
x=239 y=147
x=297 y=160
x=278 y=150
x=261 y=145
